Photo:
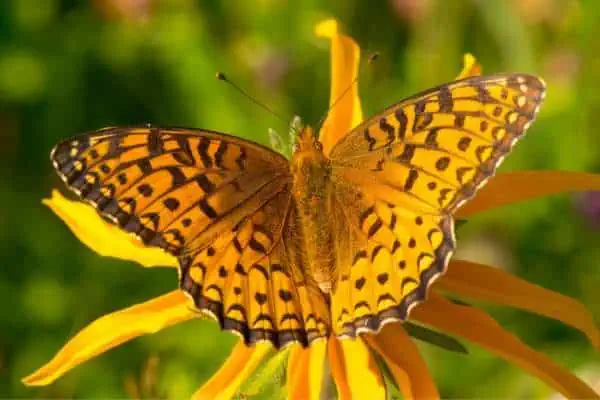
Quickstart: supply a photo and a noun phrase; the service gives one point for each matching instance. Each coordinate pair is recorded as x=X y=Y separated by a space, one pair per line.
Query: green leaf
x=459 y=223
x=392 y=388
x=435 y=338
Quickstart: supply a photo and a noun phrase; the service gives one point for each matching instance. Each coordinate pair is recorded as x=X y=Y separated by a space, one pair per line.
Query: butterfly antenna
x=221 y=76
x=372 y=57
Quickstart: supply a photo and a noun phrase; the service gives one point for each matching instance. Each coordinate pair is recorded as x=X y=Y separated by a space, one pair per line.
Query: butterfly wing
x=401 y=174
x=217 y=202
x=261 y=294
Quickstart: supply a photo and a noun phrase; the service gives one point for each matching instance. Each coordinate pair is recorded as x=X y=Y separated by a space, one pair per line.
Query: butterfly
x=295 y=250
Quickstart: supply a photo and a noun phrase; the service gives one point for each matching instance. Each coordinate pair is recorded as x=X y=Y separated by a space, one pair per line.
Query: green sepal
x=269 y=379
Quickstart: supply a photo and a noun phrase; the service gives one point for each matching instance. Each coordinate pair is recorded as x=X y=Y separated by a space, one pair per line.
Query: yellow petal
x=297 y=373
x=242 y=361
x=317 y=368
x=362 y=373
x=347 y=112
x=306 y=370
x=102 y=237
x=470 y=67
x=482 y=282
x=405 y=362
x=112 y=330
x=478 y=327
x=337 y=365
x=512 y=187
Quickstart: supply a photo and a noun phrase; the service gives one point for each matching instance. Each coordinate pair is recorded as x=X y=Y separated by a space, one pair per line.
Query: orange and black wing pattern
x=402 y=173
x=252 y=280
x=443 y=144
x=217 y=202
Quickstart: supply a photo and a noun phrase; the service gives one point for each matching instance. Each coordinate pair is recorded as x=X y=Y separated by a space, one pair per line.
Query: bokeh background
x=69 y=66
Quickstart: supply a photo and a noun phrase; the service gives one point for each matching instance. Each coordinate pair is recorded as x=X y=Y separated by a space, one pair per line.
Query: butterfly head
x=306 y=141
x=307 y=149
x=308 y=163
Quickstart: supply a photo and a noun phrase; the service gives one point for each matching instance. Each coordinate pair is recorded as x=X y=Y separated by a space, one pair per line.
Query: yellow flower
x=352 y=364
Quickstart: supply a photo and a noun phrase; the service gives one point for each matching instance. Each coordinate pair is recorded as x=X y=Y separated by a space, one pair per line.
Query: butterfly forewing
x=443 y=144
x=165 y=184
x=401 y=174
x=220 y=203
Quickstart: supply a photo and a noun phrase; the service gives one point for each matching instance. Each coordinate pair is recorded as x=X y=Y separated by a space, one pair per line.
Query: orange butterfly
x=293 y=250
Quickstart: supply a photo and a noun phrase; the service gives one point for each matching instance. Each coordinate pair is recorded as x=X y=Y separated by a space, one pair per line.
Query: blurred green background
x=69 y=66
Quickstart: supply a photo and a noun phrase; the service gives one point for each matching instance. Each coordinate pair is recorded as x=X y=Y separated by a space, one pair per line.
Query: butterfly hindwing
x=393 y=252
x=219 y=203
x=401 y=174
x=253 y=283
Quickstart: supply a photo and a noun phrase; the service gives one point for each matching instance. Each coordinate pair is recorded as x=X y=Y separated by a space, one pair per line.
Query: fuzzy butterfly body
x=292 y=251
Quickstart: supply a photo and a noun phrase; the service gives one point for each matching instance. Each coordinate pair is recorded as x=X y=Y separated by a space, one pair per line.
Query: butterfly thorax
x=311 y=172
